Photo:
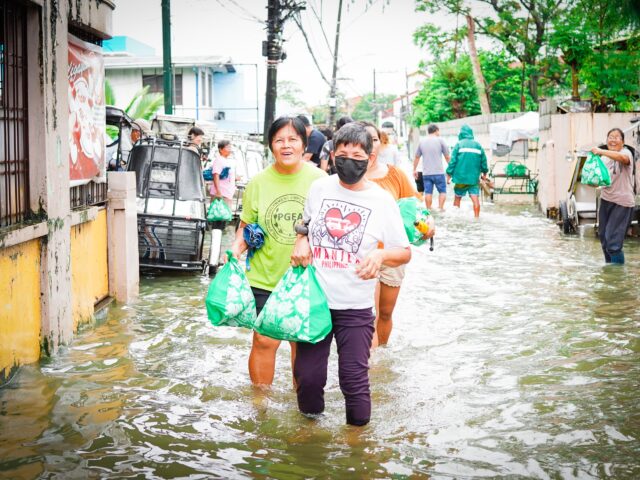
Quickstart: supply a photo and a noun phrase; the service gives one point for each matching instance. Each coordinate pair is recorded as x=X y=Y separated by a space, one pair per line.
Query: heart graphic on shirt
x=339 y=226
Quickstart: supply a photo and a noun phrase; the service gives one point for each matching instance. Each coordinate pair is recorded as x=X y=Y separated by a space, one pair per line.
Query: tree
x=451 y=92
x=290 y=92
x=596 y=41
x=367 y=109
x=520 y=26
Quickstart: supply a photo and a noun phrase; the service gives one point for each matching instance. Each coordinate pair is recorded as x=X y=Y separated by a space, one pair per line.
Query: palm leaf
x=136 y=98
x=109 y=94
x=147 y=105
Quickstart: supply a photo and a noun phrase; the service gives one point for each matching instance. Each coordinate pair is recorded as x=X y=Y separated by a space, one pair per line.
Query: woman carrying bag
x=345 y=218
x=274 y=199
x=617 y=201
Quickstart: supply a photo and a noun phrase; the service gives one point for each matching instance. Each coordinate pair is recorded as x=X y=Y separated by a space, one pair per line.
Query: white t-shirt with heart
x=346 y=225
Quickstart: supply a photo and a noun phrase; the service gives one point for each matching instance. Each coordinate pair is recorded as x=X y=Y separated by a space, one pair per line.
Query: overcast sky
x=376 y=36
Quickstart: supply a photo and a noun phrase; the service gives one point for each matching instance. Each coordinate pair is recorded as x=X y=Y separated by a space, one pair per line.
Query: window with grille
x=14 y=153
x=156 y=85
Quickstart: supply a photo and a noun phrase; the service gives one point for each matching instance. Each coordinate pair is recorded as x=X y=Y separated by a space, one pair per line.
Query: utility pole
x=332 y=93
x=278 y=12
x=166 y=57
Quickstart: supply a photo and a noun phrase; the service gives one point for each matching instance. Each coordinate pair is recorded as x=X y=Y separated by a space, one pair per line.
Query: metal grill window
x=14 y=153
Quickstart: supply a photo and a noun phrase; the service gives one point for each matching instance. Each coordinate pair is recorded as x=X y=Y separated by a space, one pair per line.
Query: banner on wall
x=86 y=113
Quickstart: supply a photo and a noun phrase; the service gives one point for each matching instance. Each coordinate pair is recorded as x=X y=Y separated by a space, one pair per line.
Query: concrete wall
x=478 y=123
x=562 y=136
x=89 y=271
x=19 y=306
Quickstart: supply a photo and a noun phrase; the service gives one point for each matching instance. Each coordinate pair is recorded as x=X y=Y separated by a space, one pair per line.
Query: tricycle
x=170 y=204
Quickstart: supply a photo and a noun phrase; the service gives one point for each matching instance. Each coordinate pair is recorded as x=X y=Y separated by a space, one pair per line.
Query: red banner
x=86 y=113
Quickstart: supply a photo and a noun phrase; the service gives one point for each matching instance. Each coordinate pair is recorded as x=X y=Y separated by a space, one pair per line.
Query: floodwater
x=515 y=353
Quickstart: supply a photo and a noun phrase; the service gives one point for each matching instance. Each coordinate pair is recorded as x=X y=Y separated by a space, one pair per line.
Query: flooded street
x=515 y=352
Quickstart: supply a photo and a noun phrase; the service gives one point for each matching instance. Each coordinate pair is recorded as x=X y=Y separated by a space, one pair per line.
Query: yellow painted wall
x=89 y=271
x=19 y=306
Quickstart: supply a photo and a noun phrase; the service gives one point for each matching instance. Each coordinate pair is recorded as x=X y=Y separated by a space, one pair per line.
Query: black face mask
x=349 y=170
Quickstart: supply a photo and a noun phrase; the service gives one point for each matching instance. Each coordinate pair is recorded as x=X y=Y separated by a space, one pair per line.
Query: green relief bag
x=595 y=172
x=297 y=309
x=219 y=211
x=230 y=301
x=414 y=217
x=514 y=169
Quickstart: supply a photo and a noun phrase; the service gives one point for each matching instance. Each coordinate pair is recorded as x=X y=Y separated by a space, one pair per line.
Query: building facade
x=209 y=88
x=54 y=265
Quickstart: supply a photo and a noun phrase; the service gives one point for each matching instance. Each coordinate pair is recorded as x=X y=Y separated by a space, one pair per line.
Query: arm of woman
x=216 y=184
x=392 y=257
x=301 y=252
x=620 y=156
x=239 y=246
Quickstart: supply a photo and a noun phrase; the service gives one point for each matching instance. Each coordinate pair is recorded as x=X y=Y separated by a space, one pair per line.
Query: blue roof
x=124 y=44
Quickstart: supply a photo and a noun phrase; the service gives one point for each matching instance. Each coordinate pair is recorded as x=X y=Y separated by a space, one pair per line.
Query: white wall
x=125 y=84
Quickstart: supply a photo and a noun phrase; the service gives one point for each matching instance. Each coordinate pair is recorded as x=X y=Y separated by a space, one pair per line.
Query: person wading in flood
x=394 y=181
x=468 y=163
x=274 y=199
x=617 y=201
x=347 y=216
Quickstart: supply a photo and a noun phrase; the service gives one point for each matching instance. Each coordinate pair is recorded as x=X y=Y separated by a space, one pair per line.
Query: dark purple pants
x=353 y=330
x=613 y=221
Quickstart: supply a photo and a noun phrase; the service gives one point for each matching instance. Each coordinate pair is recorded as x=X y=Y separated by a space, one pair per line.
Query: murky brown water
x=515 y=353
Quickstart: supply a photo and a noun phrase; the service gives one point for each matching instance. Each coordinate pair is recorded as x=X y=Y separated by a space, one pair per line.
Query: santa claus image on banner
x=86 y=113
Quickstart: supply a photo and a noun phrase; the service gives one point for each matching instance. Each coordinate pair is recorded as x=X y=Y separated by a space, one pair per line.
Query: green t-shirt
x=275 y=202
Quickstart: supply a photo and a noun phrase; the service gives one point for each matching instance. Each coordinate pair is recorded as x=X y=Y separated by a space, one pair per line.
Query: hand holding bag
x=297 y=309
x=595 y=172
x=230 y=301
x=219 y=211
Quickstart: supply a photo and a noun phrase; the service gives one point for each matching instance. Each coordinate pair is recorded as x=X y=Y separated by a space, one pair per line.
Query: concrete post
x=122 y=232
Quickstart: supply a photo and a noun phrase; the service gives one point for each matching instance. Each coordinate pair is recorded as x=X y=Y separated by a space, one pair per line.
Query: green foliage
x=583 y=48
x=368 y=107
x=142 y=105
x=451 y=93
x=290 y=93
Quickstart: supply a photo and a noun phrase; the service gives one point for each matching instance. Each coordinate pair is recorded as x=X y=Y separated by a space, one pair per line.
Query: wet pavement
x=515 y=353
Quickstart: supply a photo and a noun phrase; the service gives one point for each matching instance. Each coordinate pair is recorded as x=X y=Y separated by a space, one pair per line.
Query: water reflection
x=515 y=353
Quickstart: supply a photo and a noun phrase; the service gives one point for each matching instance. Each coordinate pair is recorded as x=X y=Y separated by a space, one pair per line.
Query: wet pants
x=353 y=330
x=613 y=222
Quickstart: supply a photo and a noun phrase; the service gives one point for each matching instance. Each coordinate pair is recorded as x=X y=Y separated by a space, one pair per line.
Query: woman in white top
x=617 y=201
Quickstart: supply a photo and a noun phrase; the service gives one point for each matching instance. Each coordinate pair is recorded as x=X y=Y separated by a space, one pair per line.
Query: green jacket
x=468 y=159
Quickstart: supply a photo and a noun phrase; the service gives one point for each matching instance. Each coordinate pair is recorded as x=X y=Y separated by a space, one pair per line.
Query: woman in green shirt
x=274 y=199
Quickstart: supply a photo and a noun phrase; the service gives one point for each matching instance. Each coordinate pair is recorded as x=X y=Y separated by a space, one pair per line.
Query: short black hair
x=282 y=122
x=223 y=143
x=195 y=132
x=342 y=121
x=327 y=132
x=433 y=128
x=353 y=133
x=305 y=121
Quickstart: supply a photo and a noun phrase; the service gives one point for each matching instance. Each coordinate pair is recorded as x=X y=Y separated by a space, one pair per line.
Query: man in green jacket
x=468 y=162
